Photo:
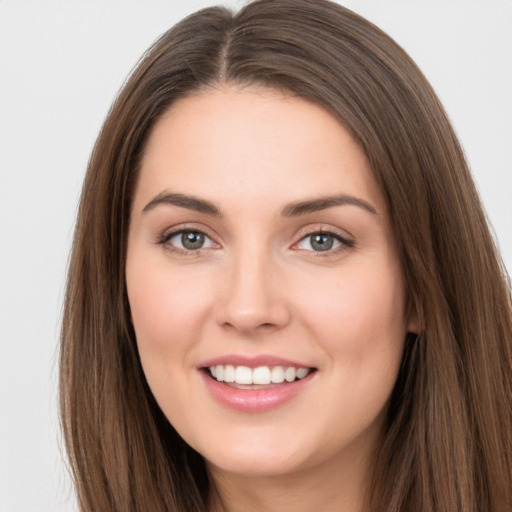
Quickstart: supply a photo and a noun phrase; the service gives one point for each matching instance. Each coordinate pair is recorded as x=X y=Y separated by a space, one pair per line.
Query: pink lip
x=258 y=399
x=251 y=361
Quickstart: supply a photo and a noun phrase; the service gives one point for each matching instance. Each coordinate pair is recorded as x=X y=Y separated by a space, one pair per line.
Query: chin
x=257 y=465
x=262 y=456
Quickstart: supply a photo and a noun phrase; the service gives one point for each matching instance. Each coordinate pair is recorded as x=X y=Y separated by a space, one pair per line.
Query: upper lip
x=252 y=361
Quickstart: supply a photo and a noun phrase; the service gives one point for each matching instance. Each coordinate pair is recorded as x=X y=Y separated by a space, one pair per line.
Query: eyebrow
x=291 y=210
x=183 y=201
x=322 y=203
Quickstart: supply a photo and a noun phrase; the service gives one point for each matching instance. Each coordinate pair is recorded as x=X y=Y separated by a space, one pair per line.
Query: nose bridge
x=253 y=295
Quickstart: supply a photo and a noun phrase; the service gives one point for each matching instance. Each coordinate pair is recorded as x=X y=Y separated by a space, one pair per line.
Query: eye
x=322 y=242
x=189 y=240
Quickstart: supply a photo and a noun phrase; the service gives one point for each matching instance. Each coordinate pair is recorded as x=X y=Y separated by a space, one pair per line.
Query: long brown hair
x=448 y=440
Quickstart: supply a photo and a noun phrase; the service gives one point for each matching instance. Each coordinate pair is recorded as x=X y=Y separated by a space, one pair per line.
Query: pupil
x=322 y=242
x=192 y=240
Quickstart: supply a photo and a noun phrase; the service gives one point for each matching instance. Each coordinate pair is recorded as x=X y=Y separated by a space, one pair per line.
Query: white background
x=61 y=63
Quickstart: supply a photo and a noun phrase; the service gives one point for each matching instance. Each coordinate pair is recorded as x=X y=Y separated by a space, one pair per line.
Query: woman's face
x=260 y=249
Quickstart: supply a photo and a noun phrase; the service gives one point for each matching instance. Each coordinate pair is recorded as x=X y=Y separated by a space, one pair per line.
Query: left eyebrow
x=183 y=201
x=322 y=203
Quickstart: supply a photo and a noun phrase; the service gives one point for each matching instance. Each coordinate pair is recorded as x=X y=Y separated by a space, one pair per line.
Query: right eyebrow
x=183 y=201
x=322 y=203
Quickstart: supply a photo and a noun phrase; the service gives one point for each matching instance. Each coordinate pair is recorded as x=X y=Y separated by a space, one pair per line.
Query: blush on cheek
x=165 y=309
x=358 y=311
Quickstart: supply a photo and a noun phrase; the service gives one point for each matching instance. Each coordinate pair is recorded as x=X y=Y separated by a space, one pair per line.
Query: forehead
x=253 y=143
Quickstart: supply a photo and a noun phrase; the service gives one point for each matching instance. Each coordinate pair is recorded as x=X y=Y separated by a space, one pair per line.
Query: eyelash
x=344 y=242
x=167 y=236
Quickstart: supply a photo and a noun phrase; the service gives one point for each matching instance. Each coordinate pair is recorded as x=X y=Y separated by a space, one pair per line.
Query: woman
x=283 y=291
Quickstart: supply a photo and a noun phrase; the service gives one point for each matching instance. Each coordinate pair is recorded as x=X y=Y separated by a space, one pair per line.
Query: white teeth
x=262 y=375
x=229 y=373
x=243 y=375
x=301 y=373
x=277 y=375
x=290 y=374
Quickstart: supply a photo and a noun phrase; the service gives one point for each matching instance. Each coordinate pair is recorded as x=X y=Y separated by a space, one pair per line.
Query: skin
x=259 y=287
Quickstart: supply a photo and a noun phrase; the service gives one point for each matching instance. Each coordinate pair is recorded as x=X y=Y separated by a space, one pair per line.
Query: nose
x=254 y=296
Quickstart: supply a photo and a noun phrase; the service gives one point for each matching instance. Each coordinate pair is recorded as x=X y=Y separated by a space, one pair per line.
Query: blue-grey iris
x=192 y=240
x=322 y=242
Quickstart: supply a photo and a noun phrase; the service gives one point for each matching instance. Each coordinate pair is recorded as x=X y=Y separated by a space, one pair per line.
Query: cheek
x=359 y=322
x=166 y=306
x=358 y=316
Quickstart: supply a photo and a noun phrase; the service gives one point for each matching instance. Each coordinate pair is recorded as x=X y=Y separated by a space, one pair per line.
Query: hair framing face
x=448 y=442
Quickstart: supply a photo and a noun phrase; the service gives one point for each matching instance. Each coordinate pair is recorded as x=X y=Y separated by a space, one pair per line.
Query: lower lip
x=255 y=400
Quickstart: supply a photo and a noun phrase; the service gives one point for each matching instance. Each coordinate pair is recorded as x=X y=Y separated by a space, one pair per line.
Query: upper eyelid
x=172 y=234
x=165 y=237
x=342 y=241
x=328 y=230
x=335 y=235
x=175 y=230
x=345 y=240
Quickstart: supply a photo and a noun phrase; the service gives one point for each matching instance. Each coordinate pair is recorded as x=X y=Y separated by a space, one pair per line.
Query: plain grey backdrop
x=61 y=64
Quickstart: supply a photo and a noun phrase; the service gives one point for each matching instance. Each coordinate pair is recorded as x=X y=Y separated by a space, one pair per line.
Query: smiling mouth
x=243 y=377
